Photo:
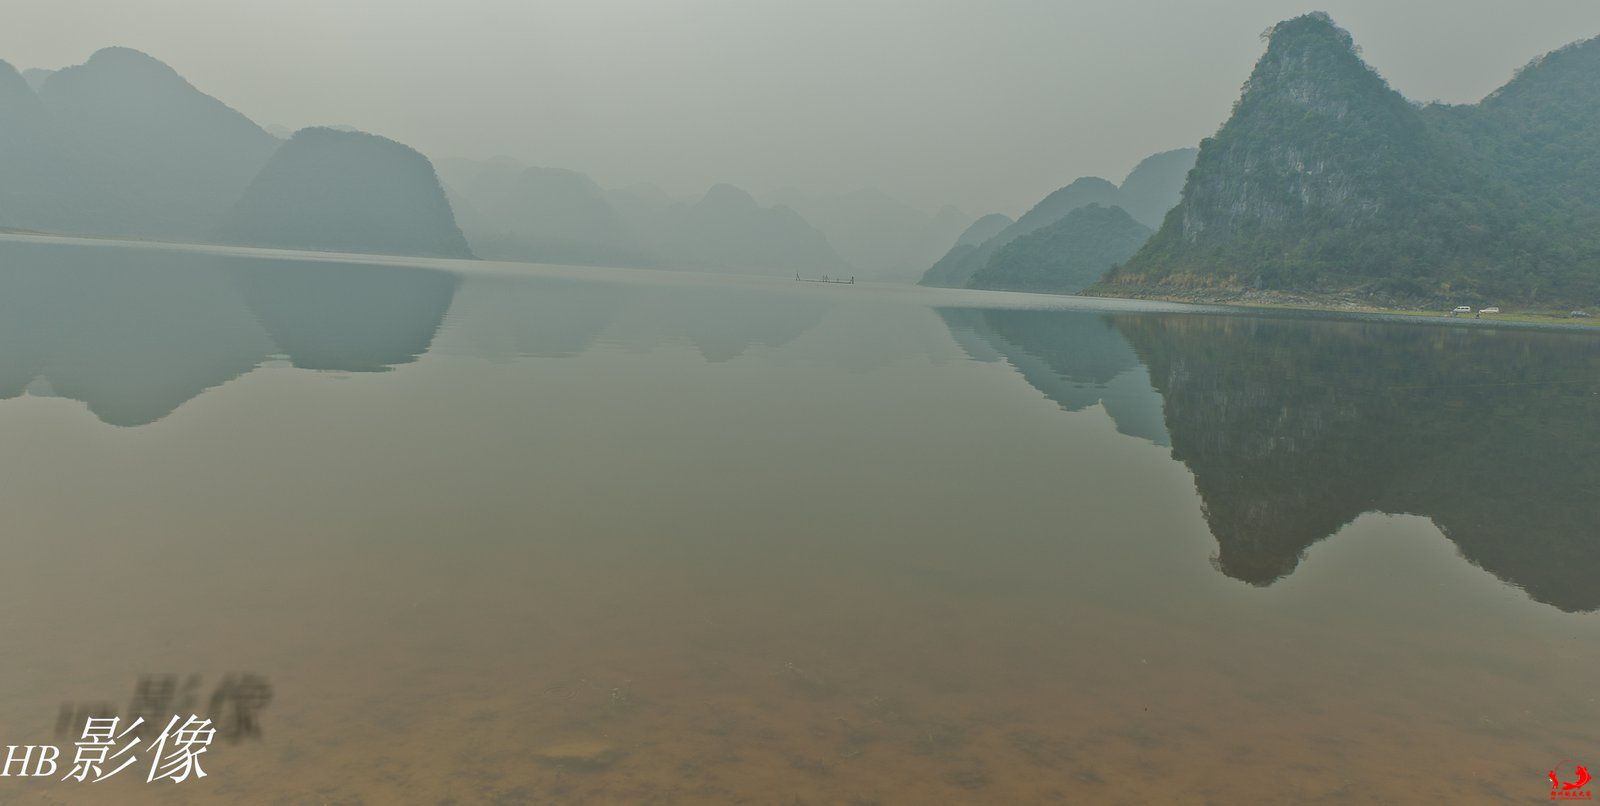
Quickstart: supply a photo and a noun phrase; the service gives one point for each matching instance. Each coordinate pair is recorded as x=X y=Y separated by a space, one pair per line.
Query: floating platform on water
x=824 y=279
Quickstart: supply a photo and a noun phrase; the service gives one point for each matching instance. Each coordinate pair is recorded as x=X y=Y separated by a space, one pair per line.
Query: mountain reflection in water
x=1293 y=428
x=727 y=539
x=134 y=334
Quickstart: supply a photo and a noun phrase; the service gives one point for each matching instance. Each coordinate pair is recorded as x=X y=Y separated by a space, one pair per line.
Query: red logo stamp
x=1561 y=789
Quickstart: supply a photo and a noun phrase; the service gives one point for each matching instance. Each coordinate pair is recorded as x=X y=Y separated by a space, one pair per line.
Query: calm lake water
x=531 y=534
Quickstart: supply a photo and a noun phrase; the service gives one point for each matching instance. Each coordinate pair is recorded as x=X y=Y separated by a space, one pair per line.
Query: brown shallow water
x=528 y=536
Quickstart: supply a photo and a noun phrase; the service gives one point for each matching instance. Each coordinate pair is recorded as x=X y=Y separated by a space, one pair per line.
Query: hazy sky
x=987 y=104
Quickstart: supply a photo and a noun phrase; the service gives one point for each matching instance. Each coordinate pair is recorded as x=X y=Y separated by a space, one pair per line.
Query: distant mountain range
x=877 y=234
x=1067 y=256
x=1145 y=195
x=727 y=230
x=1326 y=181
x=122 y=145
x=512 y=211
x=983 y=229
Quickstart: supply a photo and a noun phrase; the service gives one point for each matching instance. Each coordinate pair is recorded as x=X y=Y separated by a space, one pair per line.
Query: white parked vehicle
x=1461 y=309
x=1489 y=310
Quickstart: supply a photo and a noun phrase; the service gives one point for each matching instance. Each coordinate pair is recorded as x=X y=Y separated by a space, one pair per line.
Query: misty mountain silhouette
x=140 y=150
x=348 y=192
x=955 y=269
x=510 y=211
x=35 y=77
x=34 y=190
x=1067 y=256
x=881 y=237
x=983 y=229
x=122 y=145
x=965 y=253
x=1146 y=194
x=1154 y=185
x=726 y=230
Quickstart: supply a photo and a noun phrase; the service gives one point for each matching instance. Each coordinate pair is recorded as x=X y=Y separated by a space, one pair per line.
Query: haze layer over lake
x=537 y=534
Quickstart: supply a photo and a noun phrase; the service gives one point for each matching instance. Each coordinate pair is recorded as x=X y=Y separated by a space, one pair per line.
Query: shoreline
x=1293 y=302
x=1216 y=300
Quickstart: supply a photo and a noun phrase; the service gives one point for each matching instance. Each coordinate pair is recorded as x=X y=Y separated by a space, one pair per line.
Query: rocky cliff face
x=348 y=192
x=1308 y=88
x=1326 y=179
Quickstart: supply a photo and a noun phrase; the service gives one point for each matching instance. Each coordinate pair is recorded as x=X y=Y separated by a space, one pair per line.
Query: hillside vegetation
x=1326 y=180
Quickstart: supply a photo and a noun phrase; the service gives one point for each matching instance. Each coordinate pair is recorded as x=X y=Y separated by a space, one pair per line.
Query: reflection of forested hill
x=133 y=337
x=1074 y=358
x=135 y=333
x=1293 y=428
x=350 y=317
